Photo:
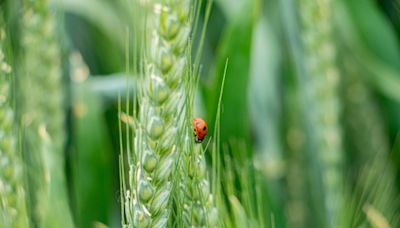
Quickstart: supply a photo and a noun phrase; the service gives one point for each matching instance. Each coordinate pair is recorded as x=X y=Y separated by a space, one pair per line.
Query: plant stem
x=42 y=117
x=160 y=123
x=324 y=105
x=13 y=211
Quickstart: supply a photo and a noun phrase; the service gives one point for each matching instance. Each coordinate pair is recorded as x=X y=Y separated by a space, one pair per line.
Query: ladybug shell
x=200 y=129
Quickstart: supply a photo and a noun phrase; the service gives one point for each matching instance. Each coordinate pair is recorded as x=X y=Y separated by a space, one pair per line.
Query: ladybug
x=200 y=129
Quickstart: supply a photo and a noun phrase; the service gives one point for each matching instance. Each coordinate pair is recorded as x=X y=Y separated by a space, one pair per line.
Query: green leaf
x=234 y=45
x=375 y=31
x=91 y=160
x=384 y=68
x=100 y=14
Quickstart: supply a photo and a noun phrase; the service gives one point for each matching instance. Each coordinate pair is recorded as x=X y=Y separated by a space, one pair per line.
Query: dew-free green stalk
x=168 y=183
x=322 y=88
x=12 y=185
x=41 y=96
x=199 y=205
x=159 y=132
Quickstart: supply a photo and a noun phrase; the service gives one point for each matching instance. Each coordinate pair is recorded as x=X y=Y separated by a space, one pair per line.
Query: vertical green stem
x=13 y=211
x=160 y=124
x=322 y=90
x=43 y=120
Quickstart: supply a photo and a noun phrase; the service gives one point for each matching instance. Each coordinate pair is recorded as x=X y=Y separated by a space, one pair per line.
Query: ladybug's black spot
x=204 y=128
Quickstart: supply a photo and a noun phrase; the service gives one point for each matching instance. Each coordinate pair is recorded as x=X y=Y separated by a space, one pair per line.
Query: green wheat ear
x=158 y=125
x=13 y=211
x=167 y=183
x=322 y=84
x=199 y=203
x=42 y=105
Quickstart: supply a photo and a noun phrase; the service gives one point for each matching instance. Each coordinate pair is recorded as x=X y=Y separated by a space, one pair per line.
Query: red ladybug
x=200 y=129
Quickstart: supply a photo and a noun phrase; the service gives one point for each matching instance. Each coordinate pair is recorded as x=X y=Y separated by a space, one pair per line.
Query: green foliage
x=91 y=160
x=235 y=44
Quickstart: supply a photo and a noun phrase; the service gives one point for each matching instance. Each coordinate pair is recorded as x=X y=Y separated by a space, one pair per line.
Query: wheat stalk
x=199 y=205
x=167 y=172
x=159 y=124
x=12 y=190
x=322 y=82
x=42 y=118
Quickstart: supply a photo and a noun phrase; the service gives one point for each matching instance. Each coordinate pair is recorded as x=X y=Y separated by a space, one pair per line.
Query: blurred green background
x=264 y=116
x=270 y=108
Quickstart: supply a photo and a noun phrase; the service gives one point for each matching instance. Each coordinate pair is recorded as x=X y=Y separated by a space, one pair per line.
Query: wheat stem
x=42 y=99
x=199 y=205
x=13 y=211
x=322 y=82
x=159 y=125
